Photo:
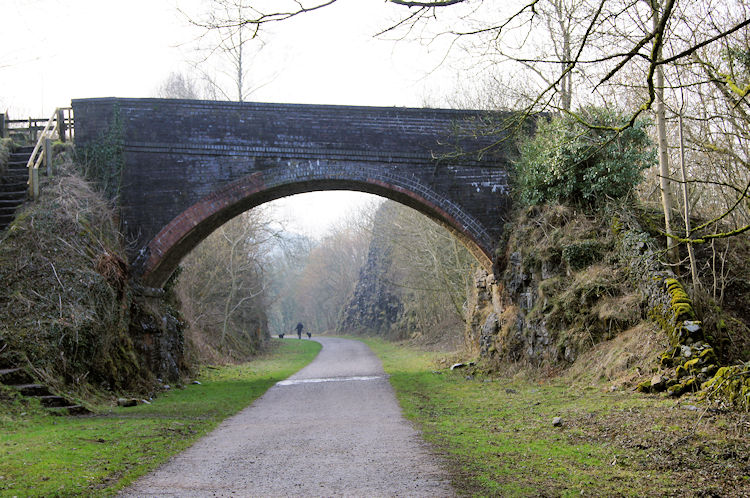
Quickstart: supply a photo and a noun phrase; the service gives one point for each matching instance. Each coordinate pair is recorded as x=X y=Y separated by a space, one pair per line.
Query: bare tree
x=513 y=23
x=230 y=45
x=223 y=284
x=179 y=85
x=658 y=10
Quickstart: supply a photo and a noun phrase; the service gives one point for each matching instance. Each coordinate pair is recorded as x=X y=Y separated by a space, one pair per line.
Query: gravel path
x=332 y=429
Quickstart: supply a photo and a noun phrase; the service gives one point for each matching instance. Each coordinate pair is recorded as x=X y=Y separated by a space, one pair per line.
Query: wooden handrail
x=41 y=150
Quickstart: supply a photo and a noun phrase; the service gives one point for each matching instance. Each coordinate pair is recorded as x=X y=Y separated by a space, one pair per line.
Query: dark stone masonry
x=189 y=166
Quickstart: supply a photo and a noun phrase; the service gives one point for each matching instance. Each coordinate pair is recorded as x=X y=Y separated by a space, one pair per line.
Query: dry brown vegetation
x=561 y=274
x=64 y=308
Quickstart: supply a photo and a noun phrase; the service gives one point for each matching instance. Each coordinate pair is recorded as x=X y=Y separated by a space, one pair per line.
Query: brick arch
x=159 y=258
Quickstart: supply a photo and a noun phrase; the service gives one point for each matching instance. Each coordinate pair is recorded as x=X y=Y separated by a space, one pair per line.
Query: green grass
x=497 y=438
x=99 y=455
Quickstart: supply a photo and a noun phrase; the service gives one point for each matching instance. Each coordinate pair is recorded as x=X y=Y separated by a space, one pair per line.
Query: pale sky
x=54 y=50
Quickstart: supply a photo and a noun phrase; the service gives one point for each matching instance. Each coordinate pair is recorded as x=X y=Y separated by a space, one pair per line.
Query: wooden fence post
x=34 y=183
x=32 y=131
x=3 y=126
x=48 y=155
x=61 y=124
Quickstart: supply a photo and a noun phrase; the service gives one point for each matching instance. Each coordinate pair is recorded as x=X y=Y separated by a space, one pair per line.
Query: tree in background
x=228 y=46
x=224 y=288
x=315 y=278
x=414 y=282
x=180 y=85
x=337 y=282
x=331 y=274
x=287 y=263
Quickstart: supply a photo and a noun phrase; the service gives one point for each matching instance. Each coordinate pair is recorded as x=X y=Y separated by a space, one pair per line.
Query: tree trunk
x=686 y=202
x=662 y=144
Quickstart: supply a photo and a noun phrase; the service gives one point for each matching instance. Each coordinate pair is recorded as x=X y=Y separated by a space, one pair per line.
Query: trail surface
x=332 y=429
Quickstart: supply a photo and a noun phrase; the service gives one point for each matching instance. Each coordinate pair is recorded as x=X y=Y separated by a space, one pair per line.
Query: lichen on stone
x=730 y=386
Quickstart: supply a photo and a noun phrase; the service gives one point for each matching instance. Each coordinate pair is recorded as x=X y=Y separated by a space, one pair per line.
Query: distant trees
x=224 y=287
x=432 y=269
x=287 y=261
x=180 y=85
x=427 y=269
x=331 y=274
x=313 y=279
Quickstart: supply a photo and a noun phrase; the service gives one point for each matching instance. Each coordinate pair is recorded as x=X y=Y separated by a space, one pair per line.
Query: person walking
x=299 y=330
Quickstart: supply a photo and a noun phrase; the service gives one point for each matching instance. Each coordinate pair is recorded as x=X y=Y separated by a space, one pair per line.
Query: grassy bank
x=497 y=436
x=98 y=455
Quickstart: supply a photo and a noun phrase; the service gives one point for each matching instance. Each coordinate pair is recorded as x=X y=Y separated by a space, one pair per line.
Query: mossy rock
x=681 y=304
x=730 y=385
x=677 y=299
x=691 y=365
x=672 y=283
x=666 y=360
x=683 y=311
x=710 y=370
x=671 y=382
x=676 y=390
x=692 y=384
x=644 y=387
x=681 y=372
x=660 y=384
x=708 y=355
x=670 y=357
x=688 y=385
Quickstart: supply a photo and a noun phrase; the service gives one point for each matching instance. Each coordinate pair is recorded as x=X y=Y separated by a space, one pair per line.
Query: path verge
x=98 y=455
x=498 y=437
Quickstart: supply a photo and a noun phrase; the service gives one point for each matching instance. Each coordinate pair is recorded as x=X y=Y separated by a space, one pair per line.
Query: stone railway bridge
x=190 y=166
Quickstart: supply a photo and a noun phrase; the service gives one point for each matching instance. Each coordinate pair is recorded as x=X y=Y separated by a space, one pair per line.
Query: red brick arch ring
x=157 y=261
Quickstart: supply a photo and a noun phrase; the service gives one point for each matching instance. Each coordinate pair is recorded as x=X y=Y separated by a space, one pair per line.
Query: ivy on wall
x=102 y=160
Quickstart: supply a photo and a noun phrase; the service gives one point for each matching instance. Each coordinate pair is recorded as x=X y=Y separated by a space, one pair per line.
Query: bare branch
x=437 y=3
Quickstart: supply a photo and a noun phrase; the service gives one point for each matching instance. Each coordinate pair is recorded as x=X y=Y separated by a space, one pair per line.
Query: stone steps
x=15 y=376
x=32 y=390
x=13 y=186
x=22 y=381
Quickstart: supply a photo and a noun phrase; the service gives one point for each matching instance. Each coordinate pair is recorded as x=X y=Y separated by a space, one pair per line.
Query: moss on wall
x=691 y=363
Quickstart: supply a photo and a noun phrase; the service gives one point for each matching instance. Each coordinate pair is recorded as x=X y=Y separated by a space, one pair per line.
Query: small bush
x=582 y=254
x=569 y=162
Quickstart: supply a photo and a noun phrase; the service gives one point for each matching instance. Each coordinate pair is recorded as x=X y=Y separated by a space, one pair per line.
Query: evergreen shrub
x=582 y=160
